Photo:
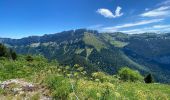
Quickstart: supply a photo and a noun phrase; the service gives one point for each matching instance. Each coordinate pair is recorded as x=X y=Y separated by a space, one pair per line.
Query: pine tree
x=3 y=51
x=148 y=79
x=13 y=54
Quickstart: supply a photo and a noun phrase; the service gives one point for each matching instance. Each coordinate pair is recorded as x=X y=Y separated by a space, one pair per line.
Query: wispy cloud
x=161 y=26
x=161 y=11
x=108 y=14
x=95 y=26
x=118 y=12
x=155 y=28
x=141 y=30
x=143 y=22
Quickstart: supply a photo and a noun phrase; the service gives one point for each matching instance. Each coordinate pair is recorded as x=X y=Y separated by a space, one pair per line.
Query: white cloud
x=144 y=22
x=161 y=26
x=142 y=30
x=118 y=12
x=155 y=28
x=133 y=31
x=139 y=23
x=108 y=14
x=161 y=11
x=105 y=12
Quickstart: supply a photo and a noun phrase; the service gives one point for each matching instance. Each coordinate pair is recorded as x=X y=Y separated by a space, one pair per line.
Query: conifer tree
x=3 y=51
x=148 y=79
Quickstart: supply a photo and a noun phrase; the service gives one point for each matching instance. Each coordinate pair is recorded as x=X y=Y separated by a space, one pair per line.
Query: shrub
x=99 y=75
x=127 y=74
x=102 y=77
x=59 y=85
x=29 y=58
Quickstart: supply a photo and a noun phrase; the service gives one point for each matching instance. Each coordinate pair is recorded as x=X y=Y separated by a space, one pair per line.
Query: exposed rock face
x=19 y=87
x=22 y=83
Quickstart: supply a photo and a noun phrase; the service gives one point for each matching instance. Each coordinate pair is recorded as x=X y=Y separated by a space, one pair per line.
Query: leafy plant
x=59 y=85
x=29 y=58
x=127 y=74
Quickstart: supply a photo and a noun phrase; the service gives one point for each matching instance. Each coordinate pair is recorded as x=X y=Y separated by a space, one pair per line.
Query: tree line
x=7 y=53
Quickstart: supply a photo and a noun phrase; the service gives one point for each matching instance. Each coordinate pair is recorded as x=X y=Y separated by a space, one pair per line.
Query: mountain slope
x=106 y=52
x=38 y=79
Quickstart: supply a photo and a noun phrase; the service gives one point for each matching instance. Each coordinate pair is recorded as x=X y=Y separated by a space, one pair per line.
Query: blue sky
x=21 y=18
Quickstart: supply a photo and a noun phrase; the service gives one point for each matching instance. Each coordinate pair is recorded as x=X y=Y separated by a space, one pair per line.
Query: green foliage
x=102 y=77
x=127 y=74
x=118 y=44
x=29 y=58
x=78 y=71
x=1 y=91
x=148 y=79
x=103 y=51
x=120 y=90
x=36 y=97
x=21 y=68
x=59 y=85
x=99 y=86
x=8 y=53
x=3 y=51
x=57 y=79
x=13 y=54
x=92 y=40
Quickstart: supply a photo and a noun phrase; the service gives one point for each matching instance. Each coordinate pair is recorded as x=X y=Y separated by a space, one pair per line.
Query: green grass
x=125 y=90
x=21 y=68
x=113 y=41
x=88 y=52
x=68 y=82
x=59 y=85
x=141 y=91
x=92 y=40
x=119 y=44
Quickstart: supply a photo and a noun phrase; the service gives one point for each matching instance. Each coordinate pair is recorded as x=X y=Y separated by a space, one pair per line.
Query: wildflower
x=117 y=94
x=98 y=95
x=97 y=80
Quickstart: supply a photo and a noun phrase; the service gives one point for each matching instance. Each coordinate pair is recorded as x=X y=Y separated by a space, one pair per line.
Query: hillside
x=34 y=78
x=106 y=52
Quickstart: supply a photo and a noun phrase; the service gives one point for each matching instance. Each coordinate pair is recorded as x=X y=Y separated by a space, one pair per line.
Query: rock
x=16 y=90
x=29 y=88
x=18 y=87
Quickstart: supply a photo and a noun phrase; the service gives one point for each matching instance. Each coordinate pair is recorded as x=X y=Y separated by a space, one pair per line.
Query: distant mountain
x=108 y=52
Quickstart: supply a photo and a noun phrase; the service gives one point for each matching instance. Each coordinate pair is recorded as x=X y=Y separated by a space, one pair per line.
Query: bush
x=100 y=76
x=127 y=74
x=59 y=85
x=29 y=58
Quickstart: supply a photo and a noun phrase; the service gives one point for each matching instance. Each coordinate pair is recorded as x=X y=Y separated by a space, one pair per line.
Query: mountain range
x=107 y=52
